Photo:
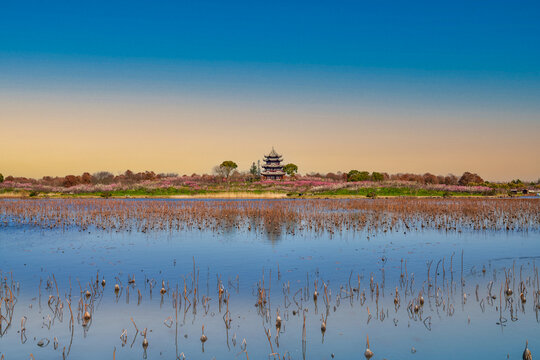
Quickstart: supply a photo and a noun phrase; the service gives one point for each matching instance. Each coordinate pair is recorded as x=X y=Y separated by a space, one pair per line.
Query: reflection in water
x=160 y=317
x=273 y=230
x=228 y=293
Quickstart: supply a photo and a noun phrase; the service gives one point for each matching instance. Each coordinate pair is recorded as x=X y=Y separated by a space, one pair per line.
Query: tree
x=1 y=178
x=377 y=176
x=103 y=177
x=71 y=180
x=219 y=171
x=355 y=175
x=430 y=178
x=227 y=167
x=253 y=169
x=86 y=178
x=470 y=179
x=290 y=169
x=254 y=172
x=450 y=179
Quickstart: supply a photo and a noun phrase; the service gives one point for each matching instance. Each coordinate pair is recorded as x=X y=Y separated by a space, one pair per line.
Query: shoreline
x=217 y=195
x=241 y=195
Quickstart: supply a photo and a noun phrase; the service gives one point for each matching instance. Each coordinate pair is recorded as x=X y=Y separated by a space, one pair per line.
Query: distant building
x=524 y=191
x=273 y=170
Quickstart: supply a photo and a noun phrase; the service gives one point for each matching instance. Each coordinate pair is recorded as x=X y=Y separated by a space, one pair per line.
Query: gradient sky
x=395 y=86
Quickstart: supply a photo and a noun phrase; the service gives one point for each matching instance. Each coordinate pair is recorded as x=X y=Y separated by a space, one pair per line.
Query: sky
x=180 y=86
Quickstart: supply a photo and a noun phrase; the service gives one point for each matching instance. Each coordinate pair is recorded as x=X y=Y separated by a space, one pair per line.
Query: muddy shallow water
x=462 y=277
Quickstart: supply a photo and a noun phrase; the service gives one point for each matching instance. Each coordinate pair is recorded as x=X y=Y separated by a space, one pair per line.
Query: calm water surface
x=446 y=327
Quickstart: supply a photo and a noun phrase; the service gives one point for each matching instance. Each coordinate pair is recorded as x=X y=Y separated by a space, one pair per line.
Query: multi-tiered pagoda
x=273 y=170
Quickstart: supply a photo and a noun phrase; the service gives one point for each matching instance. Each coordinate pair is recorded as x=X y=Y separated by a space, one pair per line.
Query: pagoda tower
x=273 y=170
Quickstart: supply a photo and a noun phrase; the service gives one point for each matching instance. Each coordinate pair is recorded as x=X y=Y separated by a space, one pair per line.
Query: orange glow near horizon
x=60 y=135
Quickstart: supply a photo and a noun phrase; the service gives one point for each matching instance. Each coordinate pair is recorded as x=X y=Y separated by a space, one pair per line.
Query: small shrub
x=33 y=193
x=105 y=195
x=372 y=194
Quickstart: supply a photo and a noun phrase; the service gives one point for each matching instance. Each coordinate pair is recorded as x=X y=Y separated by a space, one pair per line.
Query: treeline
x=228 y=173
x=466 y=179
x=101 y=177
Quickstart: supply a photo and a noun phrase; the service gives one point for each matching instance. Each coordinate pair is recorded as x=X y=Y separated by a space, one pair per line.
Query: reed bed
x=316 y=215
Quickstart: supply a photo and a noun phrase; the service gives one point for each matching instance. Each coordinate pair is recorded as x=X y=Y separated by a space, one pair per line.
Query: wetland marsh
x=269 y=279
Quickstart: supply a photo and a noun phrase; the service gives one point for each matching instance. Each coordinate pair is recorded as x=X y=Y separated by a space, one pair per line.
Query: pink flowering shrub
x=148 y=181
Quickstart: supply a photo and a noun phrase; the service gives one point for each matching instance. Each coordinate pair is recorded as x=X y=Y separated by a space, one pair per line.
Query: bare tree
x=103 y=177
x=219 y=171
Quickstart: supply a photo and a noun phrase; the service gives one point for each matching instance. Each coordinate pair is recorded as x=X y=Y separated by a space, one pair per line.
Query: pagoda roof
x=273 y=153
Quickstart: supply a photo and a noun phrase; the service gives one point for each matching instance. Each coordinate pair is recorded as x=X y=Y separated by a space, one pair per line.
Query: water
x=445 y=327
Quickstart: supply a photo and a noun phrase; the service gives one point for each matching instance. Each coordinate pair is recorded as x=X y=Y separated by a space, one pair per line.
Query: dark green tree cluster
x=377 y=176
x=355 y=175
x=1 y=178
x=290 y=169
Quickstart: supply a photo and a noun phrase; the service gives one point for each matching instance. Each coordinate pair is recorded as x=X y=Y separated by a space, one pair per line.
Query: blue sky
x=483 y=36
x=488 y=46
